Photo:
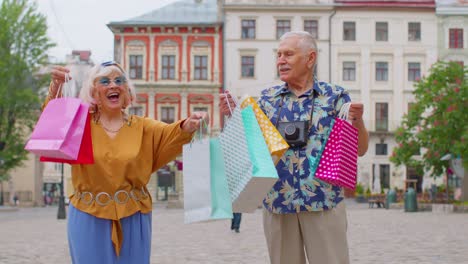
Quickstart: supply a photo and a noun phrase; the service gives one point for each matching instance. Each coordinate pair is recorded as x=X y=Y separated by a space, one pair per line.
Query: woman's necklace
x=111 y=130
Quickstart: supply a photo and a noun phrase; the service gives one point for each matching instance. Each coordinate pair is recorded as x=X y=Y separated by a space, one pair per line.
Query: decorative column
x=151 y=105
x=151 y=63
x=184 y=59
x=184 y=105
x=216 y=58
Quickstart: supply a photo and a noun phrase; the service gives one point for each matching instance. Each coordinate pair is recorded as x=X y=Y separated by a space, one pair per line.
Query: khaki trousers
x=321 y=234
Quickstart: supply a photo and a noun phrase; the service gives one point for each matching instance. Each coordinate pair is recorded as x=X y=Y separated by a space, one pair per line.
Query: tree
x=23 y=49
x=437 y=121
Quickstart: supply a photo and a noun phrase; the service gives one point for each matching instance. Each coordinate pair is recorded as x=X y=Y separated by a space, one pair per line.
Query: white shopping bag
x=197 y=193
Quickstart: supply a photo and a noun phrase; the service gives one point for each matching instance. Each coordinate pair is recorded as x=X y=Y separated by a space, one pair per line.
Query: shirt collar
x=283 y=89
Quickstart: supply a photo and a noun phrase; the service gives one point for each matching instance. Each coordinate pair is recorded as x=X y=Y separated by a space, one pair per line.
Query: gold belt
x=104 y=198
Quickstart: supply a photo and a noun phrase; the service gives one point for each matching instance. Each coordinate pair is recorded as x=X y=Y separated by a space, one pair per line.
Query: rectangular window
x=381 y=71
x=282 y=26
x=168 y=114
x=248 y=29
x=414 y=71
x=456 y=38
x=381 y=116
x=381 y=31
x=201 y=68
x=311 y=26
x=414 y=31
x=384 y=175
x=380 y=149
x=248 y=66
x=200 y=109
x=168 y=67
x=349 y=71
x=135 y=110
x=349 y=31
x=136 y=66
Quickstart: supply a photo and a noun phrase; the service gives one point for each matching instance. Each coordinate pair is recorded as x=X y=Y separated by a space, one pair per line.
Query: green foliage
x=23 y=49
x=368 y=192
x=359 y=188
x=437 y=121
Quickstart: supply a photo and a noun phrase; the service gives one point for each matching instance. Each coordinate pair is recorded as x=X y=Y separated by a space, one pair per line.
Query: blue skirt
x=89 y=239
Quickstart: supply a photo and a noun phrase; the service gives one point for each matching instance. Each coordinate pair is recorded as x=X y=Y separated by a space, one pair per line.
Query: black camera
x=295 y=133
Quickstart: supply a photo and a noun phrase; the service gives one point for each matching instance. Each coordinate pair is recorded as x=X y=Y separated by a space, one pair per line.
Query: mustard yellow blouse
x=124 y=163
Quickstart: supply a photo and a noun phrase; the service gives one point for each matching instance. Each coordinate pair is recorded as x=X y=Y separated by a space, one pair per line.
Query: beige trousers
x=321 y=234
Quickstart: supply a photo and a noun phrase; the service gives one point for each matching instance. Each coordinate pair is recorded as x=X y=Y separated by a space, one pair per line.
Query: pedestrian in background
x=109 y=218
x=235 y=222
x=304 y=217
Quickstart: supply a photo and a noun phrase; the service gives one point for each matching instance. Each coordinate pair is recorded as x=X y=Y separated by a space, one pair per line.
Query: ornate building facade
x=174 y=59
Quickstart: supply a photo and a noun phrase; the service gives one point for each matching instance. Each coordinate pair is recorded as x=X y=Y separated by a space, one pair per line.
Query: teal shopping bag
x=250 y=170
x=206 y=193
x=221 y=206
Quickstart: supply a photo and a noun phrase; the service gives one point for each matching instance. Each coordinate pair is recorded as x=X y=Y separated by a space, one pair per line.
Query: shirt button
x=296 y=171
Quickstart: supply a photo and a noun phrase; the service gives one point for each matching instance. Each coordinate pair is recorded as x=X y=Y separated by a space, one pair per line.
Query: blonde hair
x=89 y=85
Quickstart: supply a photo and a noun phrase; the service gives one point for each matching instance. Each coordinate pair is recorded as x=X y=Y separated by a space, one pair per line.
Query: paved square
x=35 y=236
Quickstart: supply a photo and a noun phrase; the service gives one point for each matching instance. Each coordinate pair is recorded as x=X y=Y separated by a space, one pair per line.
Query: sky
x=81 y=24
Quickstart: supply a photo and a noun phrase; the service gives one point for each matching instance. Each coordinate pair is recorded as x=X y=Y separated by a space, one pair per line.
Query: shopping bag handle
x=200 y=135
x=61 y=90
x=344 y=111
x=236 y=103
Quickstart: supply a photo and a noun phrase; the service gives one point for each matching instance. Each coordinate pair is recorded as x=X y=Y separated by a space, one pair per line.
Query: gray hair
x=87 y=91
x=306 y=41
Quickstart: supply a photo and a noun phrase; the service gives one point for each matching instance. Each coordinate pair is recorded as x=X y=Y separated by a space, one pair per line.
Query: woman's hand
x=192 y=123
x=58 y=78
x=226 y=101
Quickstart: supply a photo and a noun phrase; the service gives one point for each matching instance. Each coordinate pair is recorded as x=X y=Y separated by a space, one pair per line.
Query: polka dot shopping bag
x=338 y=162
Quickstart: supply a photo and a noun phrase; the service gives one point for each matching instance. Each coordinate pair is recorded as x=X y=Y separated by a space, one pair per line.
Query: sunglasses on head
x=106 y=81
x=112 y=63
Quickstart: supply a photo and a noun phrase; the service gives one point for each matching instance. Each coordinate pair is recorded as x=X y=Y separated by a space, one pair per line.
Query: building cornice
x=452 y=10
x=277 y=8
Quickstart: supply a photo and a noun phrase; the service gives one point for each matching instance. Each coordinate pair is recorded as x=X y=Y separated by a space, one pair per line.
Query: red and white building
x=174 y=58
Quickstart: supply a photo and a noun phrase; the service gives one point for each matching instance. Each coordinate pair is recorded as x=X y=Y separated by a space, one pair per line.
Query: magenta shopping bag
x=338 y=163
x=59 y=130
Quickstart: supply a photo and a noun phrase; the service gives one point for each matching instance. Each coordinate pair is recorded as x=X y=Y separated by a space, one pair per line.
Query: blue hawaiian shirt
x=296 y=190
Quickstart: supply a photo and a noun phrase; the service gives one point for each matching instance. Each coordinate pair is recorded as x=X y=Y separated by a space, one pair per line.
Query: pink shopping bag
x=59 y=131
x=338 y=163
x=85 y=156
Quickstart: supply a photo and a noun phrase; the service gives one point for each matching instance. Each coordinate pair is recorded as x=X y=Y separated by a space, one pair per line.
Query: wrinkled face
x=111 y=92
x=293 y=62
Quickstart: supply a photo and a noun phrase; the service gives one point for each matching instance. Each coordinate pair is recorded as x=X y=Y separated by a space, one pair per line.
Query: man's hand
x=356 y=110
x=226 y=103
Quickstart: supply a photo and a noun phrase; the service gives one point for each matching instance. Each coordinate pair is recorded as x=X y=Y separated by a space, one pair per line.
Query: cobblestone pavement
x=35 y=236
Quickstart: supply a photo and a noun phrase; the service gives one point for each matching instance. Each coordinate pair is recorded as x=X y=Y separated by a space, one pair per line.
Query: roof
x=183 y=12
x=386 y=3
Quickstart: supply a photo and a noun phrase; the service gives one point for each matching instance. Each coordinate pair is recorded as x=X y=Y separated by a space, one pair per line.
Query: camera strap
x=311 y=110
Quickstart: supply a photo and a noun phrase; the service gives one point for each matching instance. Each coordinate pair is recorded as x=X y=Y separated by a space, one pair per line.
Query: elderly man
x=304 y=217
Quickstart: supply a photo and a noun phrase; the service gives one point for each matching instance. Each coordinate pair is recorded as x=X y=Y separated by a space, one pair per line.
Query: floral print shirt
x=296 y=190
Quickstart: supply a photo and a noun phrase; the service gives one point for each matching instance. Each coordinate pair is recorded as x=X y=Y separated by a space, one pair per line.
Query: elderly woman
x=110 y=212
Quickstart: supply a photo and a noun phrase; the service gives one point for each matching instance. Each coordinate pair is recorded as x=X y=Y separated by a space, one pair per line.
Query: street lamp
x=61 y=206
